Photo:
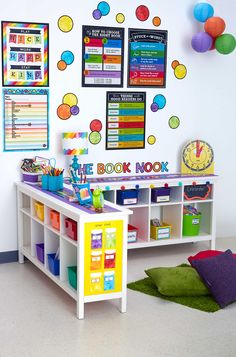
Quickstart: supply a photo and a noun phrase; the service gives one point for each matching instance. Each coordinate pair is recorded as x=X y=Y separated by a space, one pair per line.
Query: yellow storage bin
x=161 y=232
x=39 y=210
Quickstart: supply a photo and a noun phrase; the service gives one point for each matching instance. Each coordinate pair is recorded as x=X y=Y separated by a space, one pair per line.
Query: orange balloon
x=63 y=111
x=61 y=65
x=174 y=64
x=214 y=26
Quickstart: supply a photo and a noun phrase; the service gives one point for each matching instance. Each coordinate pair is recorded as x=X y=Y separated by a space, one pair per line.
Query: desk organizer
x=127 y=197
x=161 y=194
x=132 y=233
x=52 y=183
x=40 y=252
x=160 y=232
x=39 y=210
x=53 y=264
x=71 y=228
x=72 y=276
x=30 y=177
x=191 y=224
x=55 y=219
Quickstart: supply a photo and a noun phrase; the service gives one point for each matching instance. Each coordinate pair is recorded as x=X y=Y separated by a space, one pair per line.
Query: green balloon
x=225 y=44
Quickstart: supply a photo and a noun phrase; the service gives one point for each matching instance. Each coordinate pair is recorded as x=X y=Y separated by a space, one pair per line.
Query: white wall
x=204 y=100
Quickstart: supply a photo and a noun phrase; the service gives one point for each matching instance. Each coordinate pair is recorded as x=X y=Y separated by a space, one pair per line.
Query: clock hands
x=199 y=149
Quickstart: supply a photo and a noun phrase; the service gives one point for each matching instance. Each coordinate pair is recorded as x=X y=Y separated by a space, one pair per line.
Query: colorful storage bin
x=127 y=197
x=161 y=194
x=161 y=232
x=71 y=228
x=39 y=210
x=72 y=276
x=40 y=252
x=191 y=224
x=132 y=233
x=53 y=264
x=55 y=219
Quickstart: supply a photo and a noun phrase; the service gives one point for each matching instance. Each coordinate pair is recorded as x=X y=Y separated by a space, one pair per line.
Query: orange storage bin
x=39 y=210
x=55 y=219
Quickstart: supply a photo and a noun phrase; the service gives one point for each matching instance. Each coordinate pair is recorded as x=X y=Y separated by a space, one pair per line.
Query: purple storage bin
x=30 y=177
x=40 y=252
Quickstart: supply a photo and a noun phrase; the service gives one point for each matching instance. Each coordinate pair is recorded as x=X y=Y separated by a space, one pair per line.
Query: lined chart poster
x=147 y=58
x=25 y=119
x=103 y=56
x=25 y=54
x=125 y=126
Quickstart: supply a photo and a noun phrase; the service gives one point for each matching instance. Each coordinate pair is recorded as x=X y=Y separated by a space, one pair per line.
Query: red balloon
x=214 y=26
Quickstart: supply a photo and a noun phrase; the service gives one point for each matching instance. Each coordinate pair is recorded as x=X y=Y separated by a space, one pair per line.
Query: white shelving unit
x=170 y=212
x=32 y=230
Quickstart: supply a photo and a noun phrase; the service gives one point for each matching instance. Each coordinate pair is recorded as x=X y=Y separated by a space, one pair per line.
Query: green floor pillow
x=178 y=281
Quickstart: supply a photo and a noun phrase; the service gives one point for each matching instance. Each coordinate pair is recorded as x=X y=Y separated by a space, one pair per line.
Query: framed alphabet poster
x=125 y=127
x=103 y=56
x=147 y=58
x=25 y=54
x=25 y=118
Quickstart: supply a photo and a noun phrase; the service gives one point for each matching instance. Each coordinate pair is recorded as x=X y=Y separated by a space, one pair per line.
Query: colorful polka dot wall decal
x=154 y=107
x=174 y=122
x=174 y=64
x=65 y=23
x=97 y=14
x=68 y=107
x=142 y=13
x=95 y=137
x=151 y=139
x=104 y=7
x=63 y=111
x=61 y=65
x=156 y=21
x=120 y=18
x=180 y=71
x=160 y=100
x=67 y=57
x=96 y=125
x=70 y=99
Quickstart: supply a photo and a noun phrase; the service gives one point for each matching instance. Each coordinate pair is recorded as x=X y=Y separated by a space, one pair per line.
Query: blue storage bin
x=53 y=264
x=127 y=197
x=161 y=194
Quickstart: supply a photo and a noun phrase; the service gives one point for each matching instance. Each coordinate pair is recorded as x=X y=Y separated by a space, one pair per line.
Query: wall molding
x=9 y=257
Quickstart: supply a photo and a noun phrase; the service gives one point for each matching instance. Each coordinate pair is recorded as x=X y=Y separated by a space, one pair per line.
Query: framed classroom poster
x=147 y=58
x=25 y=115
x=125 y=124
x=25 y=54
x=103 y=56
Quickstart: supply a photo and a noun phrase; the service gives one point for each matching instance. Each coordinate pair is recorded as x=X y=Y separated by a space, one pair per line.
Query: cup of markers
x=52 y=179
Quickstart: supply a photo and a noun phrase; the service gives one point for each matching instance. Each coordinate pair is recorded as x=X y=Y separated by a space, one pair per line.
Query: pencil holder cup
x=45 y=179
x=60 y=181
x=53 y=183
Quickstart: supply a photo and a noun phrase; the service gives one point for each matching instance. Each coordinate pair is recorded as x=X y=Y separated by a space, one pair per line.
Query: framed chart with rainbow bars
x=25 y=57
x=25 y=118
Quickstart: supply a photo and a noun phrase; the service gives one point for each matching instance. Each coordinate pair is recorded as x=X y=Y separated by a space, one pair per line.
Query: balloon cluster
x=213 y=36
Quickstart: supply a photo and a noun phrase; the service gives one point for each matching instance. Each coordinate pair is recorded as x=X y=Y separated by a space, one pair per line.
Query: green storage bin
x=72 y=276
x=191 y=224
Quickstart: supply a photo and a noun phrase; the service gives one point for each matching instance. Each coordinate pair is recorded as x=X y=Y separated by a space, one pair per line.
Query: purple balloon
x=201 y=42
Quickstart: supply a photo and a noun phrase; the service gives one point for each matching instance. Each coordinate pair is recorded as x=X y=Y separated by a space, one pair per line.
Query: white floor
x=37 y=319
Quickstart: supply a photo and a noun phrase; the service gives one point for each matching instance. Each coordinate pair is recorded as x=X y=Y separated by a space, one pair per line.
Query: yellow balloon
x=65 y=23
x=70 y=99
x=180 y=71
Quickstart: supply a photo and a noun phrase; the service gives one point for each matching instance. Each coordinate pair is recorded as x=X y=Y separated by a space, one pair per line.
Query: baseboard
x=9 y=257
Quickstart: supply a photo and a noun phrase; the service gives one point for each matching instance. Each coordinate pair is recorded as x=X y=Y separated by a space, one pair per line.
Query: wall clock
x=197 y=158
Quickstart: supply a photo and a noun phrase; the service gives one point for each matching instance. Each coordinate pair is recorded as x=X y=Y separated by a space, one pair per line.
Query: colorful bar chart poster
x=103 y=56
x=25 y=54
x=125 y=126
x=147 y=58
x=25 y=119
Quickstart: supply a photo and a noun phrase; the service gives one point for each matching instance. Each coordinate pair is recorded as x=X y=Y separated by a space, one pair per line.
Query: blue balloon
x=104 y=8
x=68 y=57
x=203 y=11
x=160 y=100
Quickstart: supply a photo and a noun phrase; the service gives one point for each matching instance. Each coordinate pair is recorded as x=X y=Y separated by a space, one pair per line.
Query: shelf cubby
x=37 y=235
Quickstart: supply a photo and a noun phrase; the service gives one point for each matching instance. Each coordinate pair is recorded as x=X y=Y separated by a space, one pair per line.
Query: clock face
x=198 y=155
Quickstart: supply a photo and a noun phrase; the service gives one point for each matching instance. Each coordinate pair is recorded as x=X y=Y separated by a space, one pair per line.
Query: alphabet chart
x=25 y=54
